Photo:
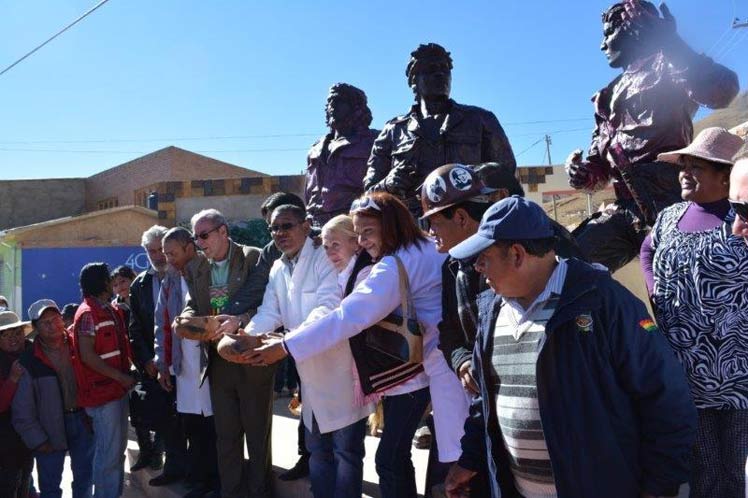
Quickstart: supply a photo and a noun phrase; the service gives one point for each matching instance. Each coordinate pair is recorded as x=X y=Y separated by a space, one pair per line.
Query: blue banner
x=53 y=273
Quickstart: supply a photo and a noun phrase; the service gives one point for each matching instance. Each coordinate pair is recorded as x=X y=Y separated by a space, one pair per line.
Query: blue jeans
x=402 y=414
x=110 y=442
x=49 y=466
x=336 y=462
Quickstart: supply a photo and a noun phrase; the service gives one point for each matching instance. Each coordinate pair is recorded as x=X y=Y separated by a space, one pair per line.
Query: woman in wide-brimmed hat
x=697 y=275
x=16 y=461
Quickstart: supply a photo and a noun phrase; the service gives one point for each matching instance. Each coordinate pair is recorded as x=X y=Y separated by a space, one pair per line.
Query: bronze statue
x=336 y=163
x=646 y=110
x=436 y=131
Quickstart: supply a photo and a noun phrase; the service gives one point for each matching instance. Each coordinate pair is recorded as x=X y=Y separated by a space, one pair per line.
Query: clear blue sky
x=138 y=75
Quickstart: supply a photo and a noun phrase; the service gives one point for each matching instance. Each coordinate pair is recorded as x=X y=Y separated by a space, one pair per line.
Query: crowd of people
x=416 y=277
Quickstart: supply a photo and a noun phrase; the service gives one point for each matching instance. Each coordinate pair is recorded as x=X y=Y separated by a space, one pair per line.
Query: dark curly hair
x=429 y=51
x=617 y=15
x=360 y=117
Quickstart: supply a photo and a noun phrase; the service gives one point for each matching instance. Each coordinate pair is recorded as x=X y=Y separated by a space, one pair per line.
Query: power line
x=535 y=134
x=234 y=137
x=571 y=120
x=530 y=147
x=738 y=42
x=727 y=46
x=92 y=151
x=168 y=139
x=83 y=16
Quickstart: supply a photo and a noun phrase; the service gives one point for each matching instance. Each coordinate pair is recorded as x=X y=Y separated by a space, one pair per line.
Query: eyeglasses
x=740 y=208
x=364 y=203
x=206 y=234
x=283 y=227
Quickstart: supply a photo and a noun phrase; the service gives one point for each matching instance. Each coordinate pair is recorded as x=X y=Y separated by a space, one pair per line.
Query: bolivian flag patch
x=648 y=325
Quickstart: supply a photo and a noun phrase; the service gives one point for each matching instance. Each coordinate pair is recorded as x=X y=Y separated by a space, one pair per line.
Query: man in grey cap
x=45 y=410
x=580 y=395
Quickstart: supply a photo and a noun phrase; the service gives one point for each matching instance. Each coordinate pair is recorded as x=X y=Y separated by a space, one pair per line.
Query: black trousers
x=201 y=449
x=15 y=480
x=153 y=409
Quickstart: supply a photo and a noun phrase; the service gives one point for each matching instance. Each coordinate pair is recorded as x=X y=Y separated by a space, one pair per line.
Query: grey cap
x=39 y=307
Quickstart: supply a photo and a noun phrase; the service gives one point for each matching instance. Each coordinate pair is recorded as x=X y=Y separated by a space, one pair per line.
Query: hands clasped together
x=233 y=343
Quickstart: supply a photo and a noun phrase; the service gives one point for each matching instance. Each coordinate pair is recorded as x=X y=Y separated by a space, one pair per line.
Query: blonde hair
x=341 y=224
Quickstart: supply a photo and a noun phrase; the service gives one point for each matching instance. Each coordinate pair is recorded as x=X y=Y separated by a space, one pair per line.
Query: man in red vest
x=101 y=365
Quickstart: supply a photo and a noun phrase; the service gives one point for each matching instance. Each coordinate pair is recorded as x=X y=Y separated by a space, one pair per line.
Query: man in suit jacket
x=241 y=395
x=147 y=402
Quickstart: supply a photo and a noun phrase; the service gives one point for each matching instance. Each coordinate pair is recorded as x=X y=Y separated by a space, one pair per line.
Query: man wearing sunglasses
x=303 y=286
x=739 y=192
x=241 y=395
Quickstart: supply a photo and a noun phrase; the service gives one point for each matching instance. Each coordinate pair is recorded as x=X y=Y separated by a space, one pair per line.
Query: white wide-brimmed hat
x=9 y=320
x=712 y=144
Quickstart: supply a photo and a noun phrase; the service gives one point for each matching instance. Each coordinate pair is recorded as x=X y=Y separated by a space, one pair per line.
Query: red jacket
x=111 y=344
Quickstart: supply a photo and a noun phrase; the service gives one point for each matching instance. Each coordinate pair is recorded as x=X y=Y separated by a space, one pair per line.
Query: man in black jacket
x=147 y=402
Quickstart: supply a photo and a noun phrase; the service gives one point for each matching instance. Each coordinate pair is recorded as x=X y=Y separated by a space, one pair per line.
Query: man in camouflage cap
x=436 y=131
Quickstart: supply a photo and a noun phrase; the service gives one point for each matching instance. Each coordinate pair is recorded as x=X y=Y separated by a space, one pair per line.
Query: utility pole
x=550 y=163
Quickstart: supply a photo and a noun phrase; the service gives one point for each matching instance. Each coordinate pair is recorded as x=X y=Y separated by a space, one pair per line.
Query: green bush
x=251 y=233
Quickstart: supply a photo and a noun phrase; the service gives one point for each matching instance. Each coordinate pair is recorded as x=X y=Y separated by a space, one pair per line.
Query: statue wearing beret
x=645 y=111
x=436 y=131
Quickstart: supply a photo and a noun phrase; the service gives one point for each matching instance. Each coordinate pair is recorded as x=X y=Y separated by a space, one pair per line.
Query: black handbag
x=390 y=352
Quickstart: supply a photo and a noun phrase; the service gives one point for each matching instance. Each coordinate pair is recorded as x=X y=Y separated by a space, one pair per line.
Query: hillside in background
x=571 y=210
x=733 y=115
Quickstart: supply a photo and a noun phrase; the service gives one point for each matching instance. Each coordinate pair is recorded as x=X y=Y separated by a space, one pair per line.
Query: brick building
x=185 y=181
x=49 y=228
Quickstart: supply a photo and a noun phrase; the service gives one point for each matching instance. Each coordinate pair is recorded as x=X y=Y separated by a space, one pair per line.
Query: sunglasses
x=740 y=208
x=206 y=234
x=364 y=203
x=282 y=227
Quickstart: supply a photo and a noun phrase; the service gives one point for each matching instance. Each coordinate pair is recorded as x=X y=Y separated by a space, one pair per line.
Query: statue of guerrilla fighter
x=336 y=163
x=436 y=131
x=646 y=110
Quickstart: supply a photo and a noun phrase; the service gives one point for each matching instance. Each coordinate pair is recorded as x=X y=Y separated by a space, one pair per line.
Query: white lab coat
x=371 y=301
x=326 y=378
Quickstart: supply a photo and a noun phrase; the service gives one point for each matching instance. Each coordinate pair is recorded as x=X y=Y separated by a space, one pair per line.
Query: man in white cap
x=45 y=409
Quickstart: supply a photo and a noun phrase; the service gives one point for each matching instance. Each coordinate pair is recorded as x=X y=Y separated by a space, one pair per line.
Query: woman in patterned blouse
x=697 y=275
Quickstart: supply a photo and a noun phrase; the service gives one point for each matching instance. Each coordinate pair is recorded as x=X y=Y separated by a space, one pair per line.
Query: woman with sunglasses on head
x=387 y=232
x=696 y=272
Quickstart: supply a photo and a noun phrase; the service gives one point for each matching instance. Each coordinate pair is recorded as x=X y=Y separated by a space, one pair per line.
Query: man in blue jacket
x=580 y=396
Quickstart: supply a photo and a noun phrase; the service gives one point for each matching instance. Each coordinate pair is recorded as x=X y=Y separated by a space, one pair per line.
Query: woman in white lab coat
x=386 y=229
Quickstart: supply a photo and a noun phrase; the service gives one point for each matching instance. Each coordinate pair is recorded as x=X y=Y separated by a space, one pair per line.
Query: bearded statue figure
x=336 y=163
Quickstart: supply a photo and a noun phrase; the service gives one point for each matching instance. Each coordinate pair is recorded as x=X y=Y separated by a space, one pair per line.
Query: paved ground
x=284 y=457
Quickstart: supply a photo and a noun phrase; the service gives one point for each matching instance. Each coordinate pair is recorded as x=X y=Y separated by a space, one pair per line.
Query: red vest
x=111 y=344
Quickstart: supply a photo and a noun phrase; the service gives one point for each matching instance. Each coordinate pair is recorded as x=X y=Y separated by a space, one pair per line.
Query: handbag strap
x=406 y=300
